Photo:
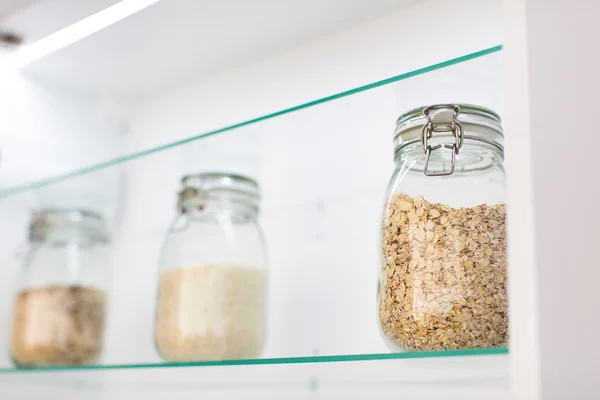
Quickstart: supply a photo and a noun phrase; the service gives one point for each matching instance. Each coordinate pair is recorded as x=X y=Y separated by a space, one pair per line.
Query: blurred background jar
x=213 y=279
x=443 y=277
x=59 y=312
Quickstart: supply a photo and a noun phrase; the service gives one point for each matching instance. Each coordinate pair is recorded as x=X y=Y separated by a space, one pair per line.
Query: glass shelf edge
x=271 y=361
x=105 y=164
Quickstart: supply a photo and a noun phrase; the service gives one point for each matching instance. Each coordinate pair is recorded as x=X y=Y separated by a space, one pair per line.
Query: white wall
x=323 y=170
x=47 y=129
x=553 y=249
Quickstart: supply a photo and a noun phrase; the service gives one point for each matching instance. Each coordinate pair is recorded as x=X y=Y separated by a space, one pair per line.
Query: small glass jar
x=212 y=297
x=59 y=312
x=443 y=277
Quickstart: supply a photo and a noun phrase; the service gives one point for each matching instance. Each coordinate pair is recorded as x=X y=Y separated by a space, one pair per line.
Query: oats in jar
x=58 y=325
x=443 y=282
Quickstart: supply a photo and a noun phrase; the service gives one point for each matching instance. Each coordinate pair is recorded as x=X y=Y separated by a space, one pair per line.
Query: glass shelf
x=27 y=186
x=323 y=167
x=468 y=374
x=272 y=361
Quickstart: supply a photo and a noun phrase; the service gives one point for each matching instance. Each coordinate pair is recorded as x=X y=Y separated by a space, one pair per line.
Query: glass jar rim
x=479 y=123
x=464 y=109
x=59 y=215
x=208 y=181
x=196 y=188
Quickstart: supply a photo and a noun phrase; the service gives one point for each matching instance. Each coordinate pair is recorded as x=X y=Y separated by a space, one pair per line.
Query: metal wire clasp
x=441 y=123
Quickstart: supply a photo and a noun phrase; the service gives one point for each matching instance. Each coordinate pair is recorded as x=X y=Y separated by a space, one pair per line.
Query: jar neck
x=67 y=228
x=236 y=205
x=473 y=156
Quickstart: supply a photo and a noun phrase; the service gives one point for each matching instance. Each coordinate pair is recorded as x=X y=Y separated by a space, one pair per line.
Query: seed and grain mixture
x=211 y=312
x=443 y=284
x=58 y=325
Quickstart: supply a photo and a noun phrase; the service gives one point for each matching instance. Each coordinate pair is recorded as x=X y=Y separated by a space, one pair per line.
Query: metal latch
x=442 y=122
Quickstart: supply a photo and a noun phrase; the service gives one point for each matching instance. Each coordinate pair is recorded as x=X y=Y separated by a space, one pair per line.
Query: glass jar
x=443 y=277
x=59 y=311
x=212 y=297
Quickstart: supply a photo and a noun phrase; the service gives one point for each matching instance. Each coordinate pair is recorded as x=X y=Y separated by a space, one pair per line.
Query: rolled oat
x=443 y=280
x=58 y=325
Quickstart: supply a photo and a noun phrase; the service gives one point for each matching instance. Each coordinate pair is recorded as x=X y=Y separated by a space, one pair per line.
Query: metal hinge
x=441 y=123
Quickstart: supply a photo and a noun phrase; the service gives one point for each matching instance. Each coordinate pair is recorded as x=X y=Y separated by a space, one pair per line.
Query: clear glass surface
x=59 y=311
x=49 y=180
x=443 y=275
x=212 y=298
x=448 y=375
